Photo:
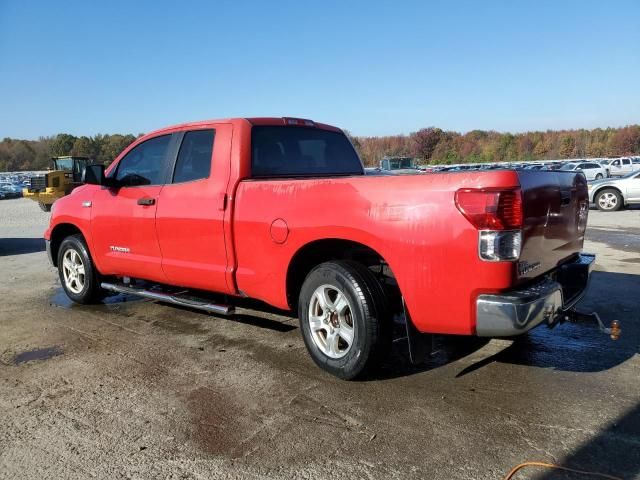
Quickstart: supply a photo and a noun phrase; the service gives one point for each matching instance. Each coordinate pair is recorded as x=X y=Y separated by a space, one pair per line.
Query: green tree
x=567 y=145
x=112 y=146
x=84 y=146
x=62 y=145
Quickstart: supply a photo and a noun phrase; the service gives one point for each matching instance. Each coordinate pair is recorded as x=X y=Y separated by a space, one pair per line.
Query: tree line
x=429 y=145
x=36 y=154
x=435 y=146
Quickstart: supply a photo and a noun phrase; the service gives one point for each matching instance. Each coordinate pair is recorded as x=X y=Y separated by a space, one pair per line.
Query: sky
x=372 y=67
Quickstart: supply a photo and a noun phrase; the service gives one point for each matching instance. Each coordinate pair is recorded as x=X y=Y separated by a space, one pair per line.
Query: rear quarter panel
x=411 y=221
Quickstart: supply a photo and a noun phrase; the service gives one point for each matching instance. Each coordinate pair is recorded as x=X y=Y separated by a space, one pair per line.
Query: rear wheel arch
x=320 y=251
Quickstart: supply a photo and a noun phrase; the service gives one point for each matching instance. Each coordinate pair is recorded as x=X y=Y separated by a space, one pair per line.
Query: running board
x=192 y=302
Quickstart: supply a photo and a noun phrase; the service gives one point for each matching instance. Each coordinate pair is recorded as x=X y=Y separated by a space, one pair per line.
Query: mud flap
x=420 y=344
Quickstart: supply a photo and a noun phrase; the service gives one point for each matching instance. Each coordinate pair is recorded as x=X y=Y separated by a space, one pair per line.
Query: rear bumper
x=517 y=311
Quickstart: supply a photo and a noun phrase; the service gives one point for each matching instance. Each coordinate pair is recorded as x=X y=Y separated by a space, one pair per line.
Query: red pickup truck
x=280 y=210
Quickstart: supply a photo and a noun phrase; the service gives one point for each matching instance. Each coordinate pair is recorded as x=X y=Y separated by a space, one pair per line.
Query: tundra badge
x=525 y=267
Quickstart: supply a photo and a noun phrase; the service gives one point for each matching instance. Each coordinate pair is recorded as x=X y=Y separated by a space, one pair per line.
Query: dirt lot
x=135 y=389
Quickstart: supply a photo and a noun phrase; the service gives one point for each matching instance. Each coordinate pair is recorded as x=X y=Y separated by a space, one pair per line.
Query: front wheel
x=343 y=318
x=78 y=276
x=609 y=200
x=599 y=176
x=45 y=207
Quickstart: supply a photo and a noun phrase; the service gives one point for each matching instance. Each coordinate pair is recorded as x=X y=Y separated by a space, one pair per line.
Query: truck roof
x=275 y=121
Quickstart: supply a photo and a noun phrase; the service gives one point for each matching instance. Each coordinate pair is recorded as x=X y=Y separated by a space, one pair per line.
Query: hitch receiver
x=614 y=331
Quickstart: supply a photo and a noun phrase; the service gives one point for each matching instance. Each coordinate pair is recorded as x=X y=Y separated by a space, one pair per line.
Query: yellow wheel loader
x=65 y=175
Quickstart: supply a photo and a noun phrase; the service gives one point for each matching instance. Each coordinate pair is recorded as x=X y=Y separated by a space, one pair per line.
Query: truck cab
x=619 y=167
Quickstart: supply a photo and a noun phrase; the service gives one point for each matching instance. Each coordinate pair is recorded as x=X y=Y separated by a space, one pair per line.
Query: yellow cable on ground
x=515 y=469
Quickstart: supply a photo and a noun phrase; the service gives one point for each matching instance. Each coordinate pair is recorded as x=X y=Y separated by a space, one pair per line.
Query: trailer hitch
x=614 y=331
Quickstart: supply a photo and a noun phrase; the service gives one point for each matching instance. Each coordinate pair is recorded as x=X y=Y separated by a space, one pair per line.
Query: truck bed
x=413 y=223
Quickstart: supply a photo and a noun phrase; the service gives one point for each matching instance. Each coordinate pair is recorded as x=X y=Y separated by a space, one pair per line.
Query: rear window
x=301 y=151
x=194 y=159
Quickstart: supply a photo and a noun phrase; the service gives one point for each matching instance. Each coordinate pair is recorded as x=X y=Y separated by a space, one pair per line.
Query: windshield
x=568 y=166
x=63 y=163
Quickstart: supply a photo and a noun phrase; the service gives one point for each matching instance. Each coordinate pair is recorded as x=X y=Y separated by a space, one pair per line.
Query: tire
x=609 y=200
x=45 y=207
x=599 y=176
x=353 y=298
x=74 y=258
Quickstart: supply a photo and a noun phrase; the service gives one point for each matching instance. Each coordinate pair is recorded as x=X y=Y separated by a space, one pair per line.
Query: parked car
x=400 y=165
x=615 y=193
x=10 y=191
x=591 y=170
x=619 y=167
x=280 y=210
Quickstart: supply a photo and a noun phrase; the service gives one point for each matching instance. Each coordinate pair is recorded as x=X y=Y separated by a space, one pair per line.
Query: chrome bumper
x=515 y=312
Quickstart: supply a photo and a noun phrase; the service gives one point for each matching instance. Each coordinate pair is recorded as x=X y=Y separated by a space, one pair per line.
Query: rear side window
x=194 y=158
x=144 y=164
x=301 y=151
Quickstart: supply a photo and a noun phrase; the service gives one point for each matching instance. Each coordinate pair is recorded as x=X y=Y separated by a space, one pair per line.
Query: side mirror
x=94 y=175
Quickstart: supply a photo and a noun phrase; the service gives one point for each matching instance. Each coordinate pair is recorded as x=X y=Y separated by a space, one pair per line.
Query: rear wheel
x=599 y=176
x=343 y=318
x=45 y=207
x=609 y=200
x=78 y=276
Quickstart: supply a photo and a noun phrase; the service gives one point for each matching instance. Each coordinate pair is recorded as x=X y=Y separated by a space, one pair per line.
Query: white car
x=619 y=167
x=591 y=170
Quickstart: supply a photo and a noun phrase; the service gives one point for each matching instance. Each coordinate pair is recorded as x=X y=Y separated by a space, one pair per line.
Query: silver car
x=613 y=194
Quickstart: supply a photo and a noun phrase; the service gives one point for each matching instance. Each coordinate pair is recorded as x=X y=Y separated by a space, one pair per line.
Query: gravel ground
x=135 y=389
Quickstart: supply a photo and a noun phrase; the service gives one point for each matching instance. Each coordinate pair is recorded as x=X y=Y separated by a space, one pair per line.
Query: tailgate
x=555 y=208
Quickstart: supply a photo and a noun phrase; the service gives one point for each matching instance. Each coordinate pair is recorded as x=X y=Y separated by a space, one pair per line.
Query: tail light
x=498 y=216
x=491 y=209
x=301 y=122
x=499 y=246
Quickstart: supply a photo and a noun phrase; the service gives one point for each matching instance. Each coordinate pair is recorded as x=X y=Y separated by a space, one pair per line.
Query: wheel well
x=597 y=192
x=321 y=251
x=59 y=233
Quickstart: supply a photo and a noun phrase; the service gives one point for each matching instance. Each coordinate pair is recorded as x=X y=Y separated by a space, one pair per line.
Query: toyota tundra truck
x=280 y=210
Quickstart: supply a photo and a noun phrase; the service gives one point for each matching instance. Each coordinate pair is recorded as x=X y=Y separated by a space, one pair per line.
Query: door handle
x=146 y=201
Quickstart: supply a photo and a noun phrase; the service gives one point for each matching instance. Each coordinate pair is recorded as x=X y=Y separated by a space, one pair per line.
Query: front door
x=123 y=217
x=191 y=211
x=633 y=189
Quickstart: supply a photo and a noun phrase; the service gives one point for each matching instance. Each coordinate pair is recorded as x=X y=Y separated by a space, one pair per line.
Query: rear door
x=191 y=210
x=123 y=218
x=587 y=170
